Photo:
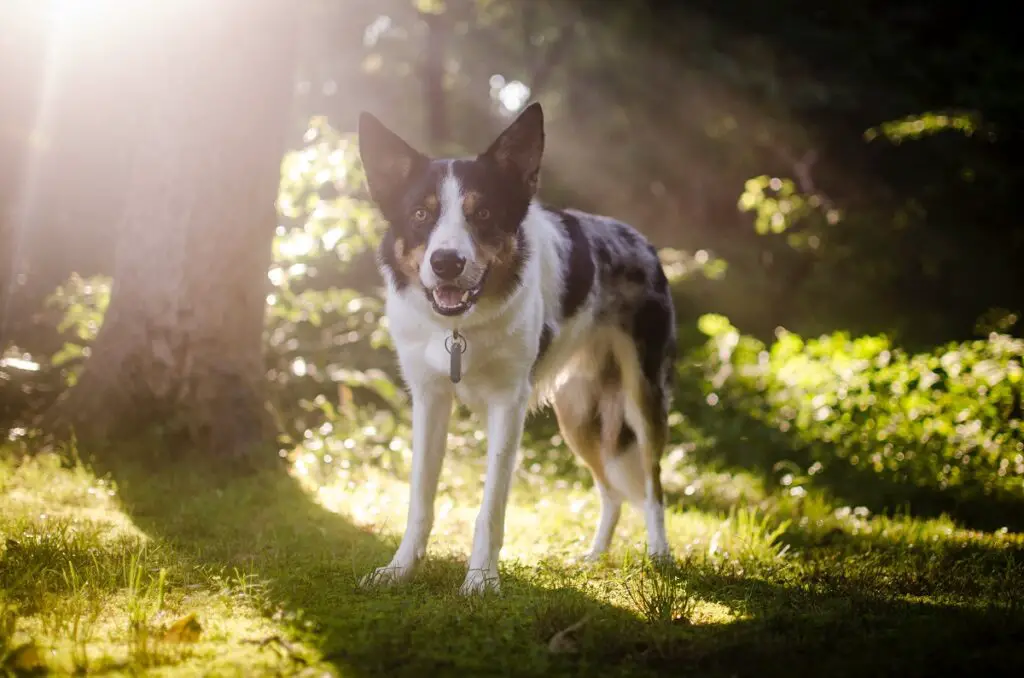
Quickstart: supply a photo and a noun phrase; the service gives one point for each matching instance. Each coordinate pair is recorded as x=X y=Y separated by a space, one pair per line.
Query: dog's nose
x=447 y=264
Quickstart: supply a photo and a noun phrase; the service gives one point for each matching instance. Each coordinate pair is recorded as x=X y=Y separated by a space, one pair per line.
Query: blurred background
x=894 y=132
x=850 y=174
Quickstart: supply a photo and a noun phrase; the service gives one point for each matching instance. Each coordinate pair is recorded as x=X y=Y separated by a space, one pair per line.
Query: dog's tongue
x=448 y=295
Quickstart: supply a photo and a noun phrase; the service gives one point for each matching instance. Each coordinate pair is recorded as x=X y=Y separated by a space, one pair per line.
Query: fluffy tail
x=620 y=452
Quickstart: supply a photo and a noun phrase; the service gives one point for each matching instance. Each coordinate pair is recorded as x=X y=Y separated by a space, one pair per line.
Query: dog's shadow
x=311 y=560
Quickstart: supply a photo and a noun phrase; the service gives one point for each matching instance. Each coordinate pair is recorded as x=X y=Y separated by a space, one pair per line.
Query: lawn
x=174 y=570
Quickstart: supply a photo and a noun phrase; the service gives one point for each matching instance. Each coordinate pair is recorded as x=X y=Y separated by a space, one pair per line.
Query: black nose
x=447 y=264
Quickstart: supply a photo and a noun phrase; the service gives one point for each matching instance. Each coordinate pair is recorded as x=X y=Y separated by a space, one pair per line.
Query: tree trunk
x=436 y=101
x=181 y=343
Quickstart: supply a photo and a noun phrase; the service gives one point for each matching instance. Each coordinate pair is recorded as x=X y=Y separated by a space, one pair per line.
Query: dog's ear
x=519 y=148
x=387 y=159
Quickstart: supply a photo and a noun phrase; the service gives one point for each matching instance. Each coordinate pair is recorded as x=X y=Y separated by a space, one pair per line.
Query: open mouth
x=452 y=299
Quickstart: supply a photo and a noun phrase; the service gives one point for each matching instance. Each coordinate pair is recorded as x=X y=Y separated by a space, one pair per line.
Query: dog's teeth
x=465 y=296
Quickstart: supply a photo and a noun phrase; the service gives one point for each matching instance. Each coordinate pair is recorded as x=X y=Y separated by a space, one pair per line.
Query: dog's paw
x=593 y=557
x=480 y=581
x=388 y=575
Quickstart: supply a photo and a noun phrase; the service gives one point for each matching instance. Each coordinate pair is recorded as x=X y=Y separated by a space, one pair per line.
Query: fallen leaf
x=185 y=630
x=563 y=642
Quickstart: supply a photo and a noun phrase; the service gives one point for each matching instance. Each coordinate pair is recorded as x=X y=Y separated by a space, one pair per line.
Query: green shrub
x=946 y=419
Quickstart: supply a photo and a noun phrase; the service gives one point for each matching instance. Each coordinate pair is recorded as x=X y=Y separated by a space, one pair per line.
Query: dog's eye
x=420 y=215
x=483 y=214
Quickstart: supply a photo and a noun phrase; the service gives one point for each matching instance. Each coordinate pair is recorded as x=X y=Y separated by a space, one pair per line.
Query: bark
x=181 y=344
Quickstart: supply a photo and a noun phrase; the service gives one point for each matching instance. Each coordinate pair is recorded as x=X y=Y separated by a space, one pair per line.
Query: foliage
x=946 y=419
x=325 y=308
x=780 y=207
x=81 y=303
x=917 y=126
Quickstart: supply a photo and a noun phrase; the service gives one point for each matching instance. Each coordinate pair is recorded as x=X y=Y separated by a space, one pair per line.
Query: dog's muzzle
x=451 y=298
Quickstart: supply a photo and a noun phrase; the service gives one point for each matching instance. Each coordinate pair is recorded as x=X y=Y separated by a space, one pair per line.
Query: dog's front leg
x=504 y=431
x=431 y=411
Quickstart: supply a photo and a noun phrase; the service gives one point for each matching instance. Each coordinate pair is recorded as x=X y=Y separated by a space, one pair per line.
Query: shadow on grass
x=840 y=623
x=310 y=559
x=742 y=442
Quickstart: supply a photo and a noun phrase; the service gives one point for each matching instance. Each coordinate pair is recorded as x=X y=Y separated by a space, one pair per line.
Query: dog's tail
x=624 y=469
x=621 y=456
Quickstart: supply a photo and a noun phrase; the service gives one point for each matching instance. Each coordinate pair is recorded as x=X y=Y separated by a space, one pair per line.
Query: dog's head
x=454 y=225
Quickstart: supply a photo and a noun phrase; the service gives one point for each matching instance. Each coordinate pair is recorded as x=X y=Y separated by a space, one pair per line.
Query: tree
x=210 y=86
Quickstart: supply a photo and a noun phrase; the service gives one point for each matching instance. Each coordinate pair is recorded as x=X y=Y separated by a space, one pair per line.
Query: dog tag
x=456 y=345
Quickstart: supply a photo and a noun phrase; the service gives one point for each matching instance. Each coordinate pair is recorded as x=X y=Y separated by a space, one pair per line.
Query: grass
x=174 y=572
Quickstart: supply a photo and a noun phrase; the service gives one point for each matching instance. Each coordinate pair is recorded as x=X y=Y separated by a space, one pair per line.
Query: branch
x=802 y=168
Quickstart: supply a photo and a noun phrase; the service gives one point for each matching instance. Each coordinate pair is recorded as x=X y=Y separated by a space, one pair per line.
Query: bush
x=946 y=419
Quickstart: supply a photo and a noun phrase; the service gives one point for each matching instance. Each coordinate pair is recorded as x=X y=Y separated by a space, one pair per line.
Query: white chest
x=495 y=362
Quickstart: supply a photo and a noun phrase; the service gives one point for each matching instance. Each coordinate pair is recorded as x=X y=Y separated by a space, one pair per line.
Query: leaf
x=185 y=630
x=431 y=6
x=713 y=324
x=563 y=642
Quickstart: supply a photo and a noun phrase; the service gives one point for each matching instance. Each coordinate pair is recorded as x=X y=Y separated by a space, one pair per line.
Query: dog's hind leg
x=579 y=420
x=611 y=509
x=647 y=415
x=652 y=445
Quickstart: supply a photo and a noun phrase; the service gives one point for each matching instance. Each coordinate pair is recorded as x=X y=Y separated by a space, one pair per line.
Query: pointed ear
x=519 y=148
x=387 y=159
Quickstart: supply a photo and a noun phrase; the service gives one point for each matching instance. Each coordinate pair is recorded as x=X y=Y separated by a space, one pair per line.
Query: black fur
x=633 y=293
x=579 y=266
x=545 y=341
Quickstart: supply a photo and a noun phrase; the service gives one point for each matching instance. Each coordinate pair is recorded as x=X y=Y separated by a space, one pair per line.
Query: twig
x=275 y=642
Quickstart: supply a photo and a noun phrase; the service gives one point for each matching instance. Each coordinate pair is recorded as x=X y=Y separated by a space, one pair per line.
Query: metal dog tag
x=456 y=346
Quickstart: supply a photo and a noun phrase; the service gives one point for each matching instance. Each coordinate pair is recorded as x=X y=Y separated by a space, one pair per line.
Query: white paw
x=394 y=573
x=480 y=581
x=594 y=556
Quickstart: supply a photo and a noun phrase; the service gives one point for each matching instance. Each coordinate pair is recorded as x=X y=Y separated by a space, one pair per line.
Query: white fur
x=451 y=231
x=502 y=340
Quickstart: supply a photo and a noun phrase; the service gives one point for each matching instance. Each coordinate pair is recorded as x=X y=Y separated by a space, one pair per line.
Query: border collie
x=507 y=304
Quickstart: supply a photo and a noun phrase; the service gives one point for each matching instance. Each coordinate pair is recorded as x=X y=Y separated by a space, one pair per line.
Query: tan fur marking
x=649 y=424
x=432 y=203
x=471 y=202
x=409 y=262
x=586 y=447
x=502 y=260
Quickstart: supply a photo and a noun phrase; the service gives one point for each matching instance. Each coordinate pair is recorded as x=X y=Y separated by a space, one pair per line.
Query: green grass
x=100 y=574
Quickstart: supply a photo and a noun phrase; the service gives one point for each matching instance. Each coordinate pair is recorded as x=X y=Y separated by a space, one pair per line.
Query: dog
x=510 y=305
